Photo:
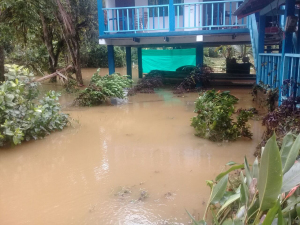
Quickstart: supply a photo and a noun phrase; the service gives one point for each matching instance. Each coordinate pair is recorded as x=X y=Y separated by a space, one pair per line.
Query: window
x=163 y=10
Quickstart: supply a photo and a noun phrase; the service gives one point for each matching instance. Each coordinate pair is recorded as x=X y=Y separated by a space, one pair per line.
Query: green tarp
x=168 y=60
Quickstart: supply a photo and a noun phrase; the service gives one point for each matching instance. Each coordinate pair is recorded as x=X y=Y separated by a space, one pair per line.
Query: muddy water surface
x=136 y=163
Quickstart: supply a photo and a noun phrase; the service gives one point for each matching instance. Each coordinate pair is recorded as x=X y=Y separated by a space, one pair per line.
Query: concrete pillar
x=111 y=59
x=128 y=61
x=140 y=62
x=199 y=54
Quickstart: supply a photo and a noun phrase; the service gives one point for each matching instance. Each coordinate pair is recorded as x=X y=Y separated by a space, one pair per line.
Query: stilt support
x=199 y=54
x=140 y=62
x=128 y=61
x=111 y=59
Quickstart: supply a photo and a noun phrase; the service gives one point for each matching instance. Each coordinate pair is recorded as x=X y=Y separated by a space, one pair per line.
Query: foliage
x=199 y=76
x=270 y=93
x=214 y=117
x=95 y=56
x=22 y=117
x=101 y=89
x=148 y=83
x=283 y=119
x=267 y=194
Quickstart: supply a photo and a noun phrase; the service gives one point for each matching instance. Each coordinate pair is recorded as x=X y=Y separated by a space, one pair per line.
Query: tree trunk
x=71 y=36
x=2 y=78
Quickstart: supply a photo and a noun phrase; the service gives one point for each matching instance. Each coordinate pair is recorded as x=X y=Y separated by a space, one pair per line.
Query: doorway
x=123 y=20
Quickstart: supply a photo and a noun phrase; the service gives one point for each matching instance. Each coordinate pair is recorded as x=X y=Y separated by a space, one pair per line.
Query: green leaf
x=280 y=217
x=270 y=175
x=202 y=222
x=244 y=190
x=255 y=169
x=231 y=163
x=289 y=151
x=247 y=172
x=253 y=209
x=219 y=190
x=216 y=222
x=228 y=171
x=291 y=205
x=228 y=222
x=291 y=179
x=229 y=201
x=271 y=214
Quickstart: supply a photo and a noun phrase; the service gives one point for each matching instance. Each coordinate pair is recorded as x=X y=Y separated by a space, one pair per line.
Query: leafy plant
x=148 y=83
x=214 y=117
x=268 y=193
x=22 y=117
x=200 y=75
x=283 y=119
x=101 y=89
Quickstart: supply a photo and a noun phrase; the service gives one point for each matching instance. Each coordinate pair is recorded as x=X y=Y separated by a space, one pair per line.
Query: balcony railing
x=270 y=69
x=291 y=75
x=282 y=74
x=177 y=17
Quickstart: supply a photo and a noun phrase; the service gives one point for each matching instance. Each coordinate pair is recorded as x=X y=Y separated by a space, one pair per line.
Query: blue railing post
x=111 y=59
x=140 y=62
x=287 y=44
x=298 y=38
x=101 y=18
x=128 y=61
x=171 y=15
x=261 y=45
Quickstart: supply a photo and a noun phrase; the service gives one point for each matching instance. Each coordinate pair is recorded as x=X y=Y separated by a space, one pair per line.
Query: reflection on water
x=137 y=163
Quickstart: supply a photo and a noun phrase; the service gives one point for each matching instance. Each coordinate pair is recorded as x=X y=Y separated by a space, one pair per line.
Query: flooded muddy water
x=136 y=163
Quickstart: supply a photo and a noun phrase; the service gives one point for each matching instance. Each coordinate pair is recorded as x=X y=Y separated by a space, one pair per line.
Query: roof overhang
x=249 y=7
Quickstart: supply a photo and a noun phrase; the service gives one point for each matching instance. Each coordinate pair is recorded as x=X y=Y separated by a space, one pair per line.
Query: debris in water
x=143 y=196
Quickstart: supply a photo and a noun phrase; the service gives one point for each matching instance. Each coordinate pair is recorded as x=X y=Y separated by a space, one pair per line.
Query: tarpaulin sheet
x=168 y=60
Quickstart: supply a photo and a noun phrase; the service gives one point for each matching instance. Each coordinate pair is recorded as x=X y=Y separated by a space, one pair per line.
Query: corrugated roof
x=251 y=6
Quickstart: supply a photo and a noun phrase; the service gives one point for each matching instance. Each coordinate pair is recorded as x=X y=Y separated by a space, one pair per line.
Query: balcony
x=198 y=18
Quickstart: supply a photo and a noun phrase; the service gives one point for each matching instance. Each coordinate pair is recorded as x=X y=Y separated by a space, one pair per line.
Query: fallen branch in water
x=57 y=73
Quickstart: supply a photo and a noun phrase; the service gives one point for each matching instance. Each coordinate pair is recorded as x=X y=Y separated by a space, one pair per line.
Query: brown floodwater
x=135 y=163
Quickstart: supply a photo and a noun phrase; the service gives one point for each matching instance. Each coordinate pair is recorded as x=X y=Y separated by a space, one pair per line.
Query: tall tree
x=75 y=17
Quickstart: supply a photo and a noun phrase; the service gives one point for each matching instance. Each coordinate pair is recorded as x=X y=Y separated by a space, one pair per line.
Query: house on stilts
x=270 y=26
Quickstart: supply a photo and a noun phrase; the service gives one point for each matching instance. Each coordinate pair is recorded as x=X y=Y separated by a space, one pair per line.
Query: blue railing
x=252 y=25
x=185 y=16
x=270 y=69
x=136 y=19
x=283 y=74
x=208 y=15
x=290 y=79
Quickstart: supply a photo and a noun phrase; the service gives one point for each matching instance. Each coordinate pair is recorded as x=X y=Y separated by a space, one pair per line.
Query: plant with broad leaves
x=214 y=117
x=101 y=89
x=22 y=117
x=267 y=194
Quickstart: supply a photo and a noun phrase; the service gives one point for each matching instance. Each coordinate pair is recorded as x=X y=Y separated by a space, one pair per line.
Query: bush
x=22 y=117
x=214 y=117
x=267 y=193
x=101 y=89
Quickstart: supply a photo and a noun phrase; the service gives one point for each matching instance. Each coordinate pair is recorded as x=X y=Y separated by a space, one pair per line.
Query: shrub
x=214 y=117
x=22 y=116
x=101 y=89
x=267 y=193
x=283 y=119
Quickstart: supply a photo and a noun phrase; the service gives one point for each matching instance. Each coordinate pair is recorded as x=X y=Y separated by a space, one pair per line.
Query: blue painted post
x=261 y=46
x=199 y=54
x=287 y=44
x=128 y=61
x=101 y=18
x=140 y=62
x=111 y=59
x=298 y=38
x=171 y=15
